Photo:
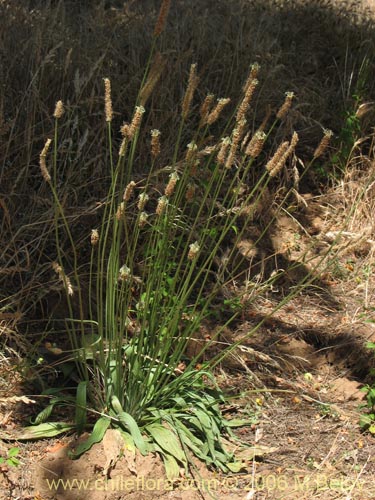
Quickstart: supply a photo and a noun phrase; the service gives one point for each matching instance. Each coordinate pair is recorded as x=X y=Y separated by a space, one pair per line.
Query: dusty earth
x=298 y=377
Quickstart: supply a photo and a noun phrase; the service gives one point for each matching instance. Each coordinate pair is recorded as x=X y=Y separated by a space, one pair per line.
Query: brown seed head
x=278 y=165
x=189 y=94
x=125 y=130
x=94 y=237
x=194 y=167
x=124 y=273
x=225 y=144
x=244 y=106
x=143 y=216
x=190 y=192
x=215 y=113
x=129 y=190
x=163 y=13
x=191 y=151
x=142 y=200
x=170 y=187
x=59 y=110
x=155 y=142
x=293 y=142
x=56 y=267
x=231 y=156
x=255 y=146
x=205 y=108
x=193 y=250
x=254 y=70
x=277 y=157
x=277 y=168
x=237 y=134
x=289 y=96
x=108 y=100
x=161 y=206
x=42 y=161
x=63 y=277
x=323 y=143
x=136 y=121
x=120 y=211
x=239 y=131
x=122 y=149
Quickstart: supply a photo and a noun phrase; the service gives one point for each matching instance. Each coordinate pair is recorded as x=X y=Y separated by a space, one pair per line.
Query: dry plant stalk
x=63 y=277
x=296 y=178
x=152 y=78
x=245 y=140
x=208 y=150
x=59 y=110
x=42 y=161
x=108 y=100
x=263 y=125
x=162 y=18
x=189 y=94
x=320 y=150
x=194 y=167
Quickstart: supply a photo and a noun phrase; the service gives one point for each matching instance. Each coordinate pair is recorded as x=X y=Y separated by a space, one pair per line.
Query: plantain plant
x=156 y=272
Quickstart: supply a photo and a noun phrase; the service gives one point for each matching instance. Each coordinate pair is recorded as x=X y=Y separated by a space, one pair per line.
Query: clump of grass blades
x=152 y=282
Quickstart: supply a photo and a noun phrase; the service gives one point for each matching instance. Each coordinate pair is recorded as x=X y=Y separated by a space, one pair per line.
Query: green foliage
x=367 y=420
x=11 y=457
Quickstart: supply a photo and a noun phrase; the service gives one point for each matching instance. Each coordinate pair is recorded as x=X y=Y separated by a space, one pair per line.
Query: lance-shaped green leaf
x=96 y=436
x=167 y=440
